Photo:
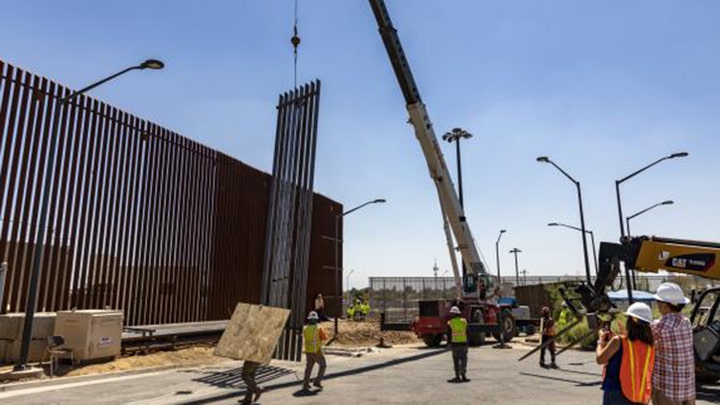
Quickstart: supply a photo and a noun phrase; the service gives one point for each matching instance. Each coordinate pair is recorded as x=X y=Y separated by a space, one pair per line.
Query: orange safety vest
x=636 y=368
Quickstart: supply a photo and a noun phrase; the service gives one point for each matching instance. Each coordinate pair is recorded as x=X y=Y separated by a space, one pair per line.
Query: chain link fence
x=397 y=297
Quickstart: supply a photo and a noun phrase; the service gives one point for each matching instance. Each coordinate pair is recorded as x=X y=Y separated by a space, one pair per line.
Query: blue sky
x=603 y=88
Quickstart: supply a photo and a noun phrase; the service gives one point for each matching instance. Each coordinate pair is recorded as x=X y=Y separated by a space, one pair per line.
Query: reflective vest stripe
x=645 y=374
x=632 y=368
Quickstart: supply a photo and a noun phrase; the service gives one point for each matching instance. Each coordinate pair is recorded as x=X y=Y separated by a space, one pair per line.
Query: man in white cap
x=314 y=336
x=673 y=379
x=459 y=344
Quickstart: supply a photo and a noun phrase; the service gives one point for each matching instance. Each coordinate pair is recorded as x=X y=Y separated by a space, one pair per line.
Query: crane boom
x=449 y=201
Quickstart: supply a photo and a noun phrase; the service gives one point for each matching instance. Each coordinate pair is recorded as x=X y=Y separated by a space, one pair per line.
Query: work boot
x=258 y=392
x=317 y=384
x=245 y=401
x=306 y=387
x=553 y=365
x=465 y=379
x=543 y=365
x=455 y=380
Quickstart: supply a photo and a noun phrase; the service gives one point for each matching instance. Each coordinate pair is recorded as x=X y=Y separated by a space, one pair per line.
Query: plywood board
x=252 y=333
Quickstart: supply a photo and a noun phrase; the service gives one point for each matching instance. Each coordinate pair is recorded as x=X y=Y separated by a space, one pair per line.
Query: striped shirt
x=674 y=374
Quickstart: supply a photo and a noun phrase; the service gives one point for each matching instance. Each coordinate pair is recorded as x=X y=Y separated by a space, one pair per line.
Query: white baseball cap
x=312 y=315
x=454 y=310
x=671 y=293
x=640 y=311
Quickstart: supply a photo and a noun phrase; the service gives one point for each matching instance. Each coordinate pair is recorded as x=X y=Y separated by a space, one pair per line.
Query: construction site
x=192 y=243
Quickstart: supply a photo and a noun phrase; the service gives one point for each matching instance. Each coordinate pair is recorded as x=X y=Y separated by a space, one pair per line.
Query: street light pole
x=515 y=251
x=592 y=240
x=43 y=211
x=619 y=204
x=497 y=252
x=337 y=257
x=627 y=220
x=545 y=159
x=455 y=136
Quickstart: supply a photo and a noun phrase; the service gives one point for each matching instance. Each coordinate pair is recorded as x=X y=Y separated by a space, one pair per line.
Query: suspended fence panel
x=289 y=222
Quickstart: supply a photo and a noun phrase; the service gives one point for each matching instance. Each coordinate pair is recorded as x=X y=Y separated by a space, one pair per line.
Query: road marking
x=29 y=391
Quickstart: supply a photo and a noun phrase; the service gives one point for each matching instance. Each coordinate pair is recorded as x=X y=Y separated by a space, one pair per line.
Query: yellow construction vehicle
x=654 y=254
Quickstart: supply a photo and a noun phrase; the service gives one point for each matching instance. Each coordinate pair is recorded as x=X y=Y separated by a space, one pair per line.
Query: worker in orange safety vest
x=629 y=359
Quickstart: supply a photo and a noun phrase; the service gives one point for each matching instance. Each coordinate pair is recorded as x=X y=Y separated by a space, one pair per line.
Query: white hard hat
x=312 y=315
x=671 y=293
x=640 y=311
x=454 y=310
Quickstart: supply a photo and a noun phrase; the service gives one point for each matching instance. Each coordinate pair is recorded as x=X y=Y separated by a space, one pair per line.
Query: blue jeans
x=614 y=398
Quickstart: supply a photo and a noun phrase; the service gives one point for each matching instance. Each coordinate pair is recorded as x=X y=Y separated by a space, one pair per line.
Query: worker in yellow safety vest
x=313 y=336
x=365 y=308
x=458 y=344
x=629 y=359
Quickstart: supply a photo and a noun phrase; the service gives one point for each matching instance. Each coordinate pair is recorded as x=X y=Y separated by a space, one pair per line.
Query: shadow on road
x=565 y=370
x=707 y=393
x=231 y=378
x=576 y=382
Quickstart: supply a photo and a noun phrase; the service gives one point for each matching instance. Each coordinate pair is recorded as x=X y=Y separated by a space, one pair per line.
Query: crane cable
x=295 y=40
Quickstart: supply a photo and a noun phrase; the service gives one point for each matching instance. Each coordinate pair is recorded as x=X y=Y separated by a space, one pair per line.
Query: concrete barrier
x=11 y=328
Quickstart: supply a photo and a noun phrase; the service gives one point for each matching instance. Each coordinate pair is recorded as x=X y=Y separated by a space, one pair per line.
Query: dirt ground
x=191 y=356
x=366 y=333
x=352 y=334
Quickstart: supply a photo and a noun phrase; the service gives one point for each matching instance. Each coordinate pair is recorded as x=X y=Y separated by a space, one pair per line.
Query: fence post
x=3 y=271
x=404 y=300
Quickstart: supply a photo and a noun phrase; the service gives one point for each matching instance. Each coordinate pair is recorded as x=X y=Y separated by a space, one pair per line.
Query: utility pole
x=515 y=251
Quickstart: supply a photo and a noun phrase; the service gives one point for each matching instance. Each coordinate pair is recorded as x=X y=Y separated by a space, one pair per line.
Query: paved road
x=407 y=375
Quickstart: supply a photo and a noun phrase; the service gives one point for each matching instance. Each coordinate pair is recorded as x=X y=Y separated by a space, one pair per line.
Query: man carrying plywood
x=251 y=335
x=248 y=376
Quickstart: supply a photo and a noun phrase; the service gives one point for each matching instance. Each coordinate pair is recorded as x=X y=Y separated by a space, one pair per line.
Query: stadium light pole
x=31 y=302
x=455 y=136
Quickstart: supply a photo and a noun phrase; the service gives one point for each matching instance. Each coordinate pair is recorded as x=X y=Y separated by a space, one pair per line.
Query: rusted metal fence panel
x=140 y=218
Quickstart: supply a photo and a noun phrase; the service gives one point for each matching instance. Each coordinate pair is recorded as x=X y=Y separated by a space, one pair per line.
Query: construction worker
x=358 y=310
x=313 y=335
x=365 y=309
x=248 y=376
x=548 y=334
x=629 y=359
x=458 y=344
